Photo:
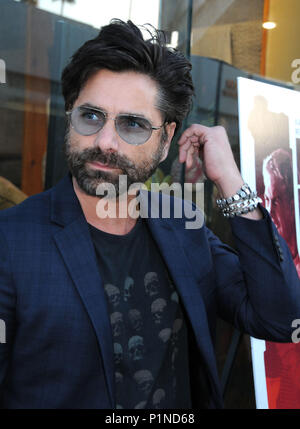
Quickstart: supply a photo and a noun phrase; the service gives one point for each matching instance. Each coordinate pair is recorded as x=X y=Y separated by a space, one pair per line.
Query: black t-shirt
x=148 y=325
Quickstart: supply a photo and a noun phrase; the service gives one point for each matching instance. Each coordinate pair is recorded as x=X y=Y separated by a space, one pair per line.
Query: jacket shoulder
x=33 y=209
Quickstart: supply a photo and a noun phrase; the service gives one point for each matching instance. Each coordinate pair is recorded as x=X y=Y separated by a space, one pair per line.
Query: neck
x=107 y=215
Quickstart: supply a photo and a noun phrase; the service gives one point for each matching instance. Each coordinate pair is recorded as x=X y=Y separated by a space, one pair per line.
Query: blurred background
x=224 y=39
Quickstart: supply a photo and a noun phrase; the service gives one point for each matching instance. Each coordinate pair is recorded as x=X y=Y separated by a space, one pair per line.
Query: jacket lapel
x=77 y=251
x=173 y=244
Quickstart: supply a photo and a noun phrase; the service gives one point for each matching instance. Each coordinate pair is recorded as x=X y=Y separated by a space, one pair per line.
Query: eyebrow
x=91 y=106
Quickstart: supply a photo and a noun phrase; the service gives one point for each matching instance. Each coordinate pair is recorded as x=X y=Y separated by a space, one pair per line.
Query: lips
x=98 y=164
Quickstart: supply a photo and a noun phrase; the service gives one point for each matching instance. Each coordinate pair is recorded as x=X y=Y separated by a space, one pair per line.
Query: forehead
x=117 y=92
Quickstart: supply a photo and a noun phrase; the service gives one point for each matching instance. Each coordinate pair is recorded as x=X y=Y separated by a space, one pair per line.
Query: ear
x=170 y=130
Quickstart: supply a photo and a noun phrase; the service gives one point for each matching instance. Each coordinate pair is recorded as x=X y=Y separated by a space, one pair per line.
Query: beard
x=89 y=179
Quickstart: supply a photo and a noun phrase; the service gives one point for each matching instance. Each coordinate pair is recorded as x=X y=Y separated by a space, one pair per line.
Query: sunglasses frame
x=107 y=117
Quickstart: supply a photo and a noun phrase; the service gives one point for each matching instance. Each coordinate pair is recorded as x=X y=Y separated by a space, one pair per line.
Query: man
x=120 y=311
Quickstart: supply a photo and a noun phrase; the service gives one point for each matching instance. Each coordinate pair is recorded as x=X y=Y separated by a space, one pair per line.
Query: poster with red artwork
x=269 y=125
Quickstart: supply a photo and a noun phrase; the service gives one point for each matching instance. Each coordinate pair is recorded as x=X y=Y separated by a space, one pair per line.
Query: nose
x=107 y=139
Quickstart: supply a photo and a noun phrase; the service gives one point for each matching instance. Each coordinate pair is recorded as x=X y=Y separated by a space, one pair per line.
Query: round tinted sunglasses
x=132 y=129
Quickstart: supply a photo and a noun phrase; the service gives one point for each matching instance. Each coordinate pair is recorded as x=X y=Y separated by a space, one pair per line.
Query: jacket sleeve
x=258 y=288
x=7 y=308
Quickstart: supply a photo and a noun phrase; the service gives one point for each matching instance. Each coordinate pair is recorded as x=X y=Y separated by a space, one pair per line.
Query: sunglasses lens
x=87 y=121
x=133 y=130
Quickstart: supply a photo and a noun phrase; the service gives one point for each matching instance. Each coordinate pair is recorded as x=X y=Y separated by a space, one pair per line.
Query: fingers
x=190 y=158
x=188 y=147
x=191 y=138
x=194 y=132
x=189 y=154
x=184 y=150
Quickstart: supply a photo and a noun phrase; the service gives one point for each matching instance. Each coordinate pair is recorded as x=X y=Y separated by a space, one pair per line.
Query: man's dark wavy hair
x=119 y=47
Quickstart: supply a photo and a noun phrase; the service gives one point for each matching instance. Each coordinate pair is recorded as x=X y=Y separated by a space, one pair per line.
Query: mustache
x=111 y=159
